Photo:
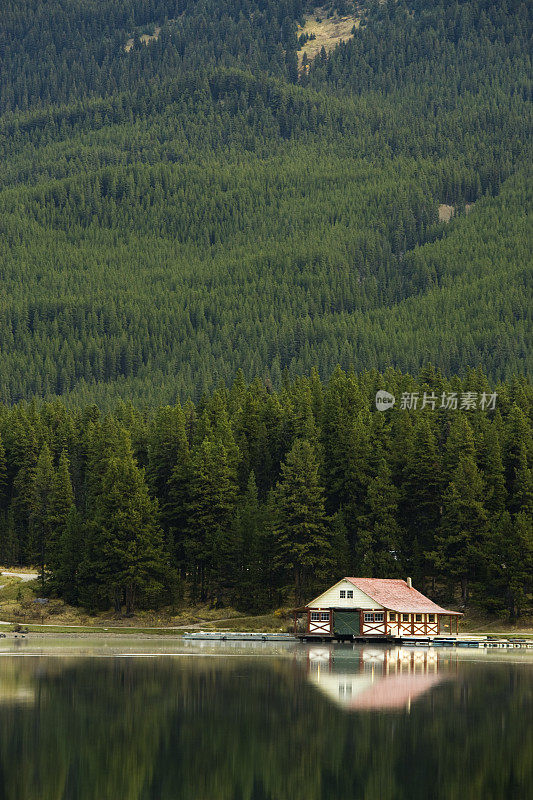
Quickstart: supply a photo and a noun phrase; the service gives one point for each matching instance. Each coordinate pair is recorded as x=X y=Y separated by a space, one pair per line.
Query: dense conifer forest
x=211 y=257
x=256 y=498
x=176 y=211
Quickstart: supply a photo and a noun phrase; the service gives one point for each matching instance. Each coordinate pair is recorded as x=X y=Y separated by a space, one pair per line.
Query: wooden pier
x=430 y=641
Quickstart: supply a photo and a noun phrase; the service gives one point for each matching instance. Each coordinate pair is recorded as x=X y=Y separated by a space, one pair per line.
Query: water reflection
x=253 y=723
x=373 y=679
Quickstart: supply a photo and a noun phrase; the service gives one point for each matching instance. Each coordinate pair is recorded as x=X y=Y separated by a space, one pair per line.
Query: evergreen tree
x=126 y=555
x=249 y=577
x=41 y=519
x=493 y=472
x=72 y=550
x=209 y=545
x=509 y=556
x=379 y=532
x=421 y=499
x=464 y=528
x=61 y=505
x=303 y=532
x=3 y=478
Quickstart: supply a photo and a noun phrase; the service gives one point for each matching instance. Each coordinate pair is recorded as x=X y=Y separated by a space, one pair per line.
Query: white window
x=405 y=618
x=349 y=593
x=392 y=617
x=342 y=594
x=324 y=616
x=418 y=617
x=315 y=616
x=373 y=616
x=431 y=617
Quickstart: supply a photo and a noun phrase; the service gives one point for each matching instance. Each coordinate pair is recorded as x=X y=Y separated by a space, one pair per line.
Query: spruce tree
x=421 y=499
x=509 y=557
x=303 y=531
x=41 y=520
x=211 y=516
x=126 y=554
x=61 y=504
x=379 y=532
x=464 y=530
x=3 y=478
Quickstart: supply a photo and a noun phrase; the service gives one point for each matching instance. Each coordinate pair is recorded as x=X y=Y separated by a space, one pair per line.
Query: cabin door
x=346 y=623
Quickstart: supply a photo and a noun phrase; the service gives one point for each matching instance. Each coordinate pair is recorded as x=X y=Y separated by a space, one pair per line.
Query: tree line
x=257 y=498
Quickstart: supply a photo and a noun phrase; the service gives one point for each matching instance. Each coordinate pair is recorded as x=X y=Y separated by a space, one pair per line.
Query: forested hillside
x=257 y=498
x=177 y=210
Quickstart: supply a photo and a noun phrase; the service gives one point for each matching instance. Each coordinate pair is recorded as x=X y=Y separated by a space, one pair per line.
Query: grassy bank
x=19 y=607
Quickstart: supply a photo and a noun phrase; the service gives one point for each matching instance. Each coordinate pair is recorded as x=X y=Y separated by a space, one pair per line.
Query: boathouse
x=374 y=608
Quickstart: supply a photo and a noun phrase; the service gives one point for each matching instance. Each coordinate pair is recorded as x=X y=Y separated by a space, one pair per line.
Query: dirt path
x=24 y=576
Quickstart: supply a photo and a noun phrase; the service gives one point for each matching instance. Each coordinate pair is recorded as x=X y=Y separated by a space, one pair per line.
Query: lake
x=117 y=718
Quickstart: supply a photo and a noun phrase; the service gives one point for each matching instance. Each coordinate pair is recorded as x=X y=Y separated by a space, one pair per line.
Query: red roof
x=396 y=595
x=394 y=691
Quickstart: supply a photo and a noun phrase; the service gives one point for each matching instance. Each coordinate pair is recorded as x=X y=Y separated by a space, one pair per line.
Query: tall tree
x=126 y=552
x=41 y=519
x=61 y=505
x=211 y=514
x=304 y=534
x=379 y=532
x=464 y=529
x=421 y=499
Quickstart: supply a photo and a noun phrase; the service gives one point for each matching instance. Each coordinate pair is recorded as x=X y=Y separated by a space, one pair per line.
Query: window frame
x=406 y=618
x=324 y=616
x=431 y=618
x=342 y=594
x=315 y=616
x=372 y=617
x=349 y=594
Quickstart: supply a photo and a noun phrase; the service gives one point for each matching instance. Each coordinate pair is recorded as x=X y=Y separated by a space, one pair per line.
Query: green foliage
x=125 y=557
x=302 y=530
x=183 y=211
x=442 y=495
x=172 y=214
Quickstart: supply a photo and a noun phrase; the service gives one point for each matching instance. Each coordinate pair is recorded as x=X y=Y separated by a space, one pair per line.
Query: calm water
x=116 y=719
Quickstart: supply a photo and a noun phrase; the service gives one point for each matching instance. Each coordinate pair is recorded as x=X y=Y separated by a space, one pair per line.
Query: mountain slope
x=175 y=212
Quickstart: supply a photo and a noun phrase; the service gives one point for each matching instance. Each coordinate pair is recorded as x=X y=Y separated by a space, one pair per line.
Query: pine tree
x=3 y=478
x=421 y=499
x=41 y=520
x=211 y=515
x=521 y=489
x=302 y=529
x=379 y=531
x=460 y=442
x=464 y=528
x=61 y=504
x=126 y=554
x=493 y=473
x=72 y=548
x=250 y=591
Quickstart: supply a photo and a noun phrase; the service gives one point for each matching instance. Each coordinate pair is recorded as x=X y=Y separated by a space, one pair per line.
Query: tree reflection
x=257 y=729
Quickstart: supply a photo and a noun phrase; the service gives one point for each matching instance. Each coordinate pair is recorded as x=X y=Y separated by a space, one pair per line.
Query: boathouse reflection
x=372 y=678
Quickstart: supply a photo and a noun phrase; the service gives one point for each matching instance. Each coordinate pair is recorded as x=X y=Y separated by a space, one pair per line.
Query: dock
x=231 y=636
x=434 y=641
x=406 y=641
